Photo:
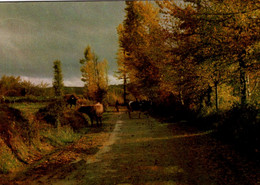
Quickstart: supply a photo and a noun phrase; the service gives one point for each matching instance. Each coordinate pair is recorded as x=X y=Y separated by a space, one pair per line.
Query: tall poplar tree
x=138 y=54
x=58 y=79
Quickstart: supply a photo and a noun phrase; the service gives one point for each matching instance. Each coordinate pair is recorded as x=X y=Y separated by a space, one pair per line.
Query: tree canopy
x=191 y=50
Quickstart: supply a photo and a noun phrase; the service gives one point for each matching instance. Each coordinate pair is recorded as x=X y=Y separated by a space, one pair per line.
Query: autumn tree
x=219 y=34
x=127 y=41
x=180 y=75
x=138 y=54
x=94 y=75
x=121 y=74
x=191 y=50
x=10 y=86
x=231 y=29
x=16 y=86
x=58 y=79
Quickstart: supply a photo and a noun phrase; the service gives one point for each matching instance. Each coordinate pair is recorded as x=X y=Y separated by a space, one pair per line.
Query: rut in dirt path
x=107 y=145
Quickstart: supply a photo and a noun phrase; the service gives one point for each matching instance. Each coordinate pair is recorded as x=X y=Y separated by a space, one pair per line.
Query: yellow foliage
x=184 y=48
x=94 y=75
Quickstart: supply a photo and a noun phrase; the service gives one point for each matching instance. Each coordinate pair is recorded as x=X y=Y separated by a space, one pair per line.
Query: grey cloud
x=33 y=35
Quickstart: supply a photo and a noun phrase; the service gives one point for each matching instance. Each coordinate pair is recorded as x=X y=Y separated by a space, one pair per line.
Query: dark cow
x=146 y=105
x=71 y=99
x=141 y=106
x=94 y=112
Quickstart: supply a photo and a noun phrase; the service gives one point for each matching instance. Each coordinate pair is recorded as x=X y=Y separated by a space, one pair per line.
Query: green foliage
x=58 y=79
x=61 y=136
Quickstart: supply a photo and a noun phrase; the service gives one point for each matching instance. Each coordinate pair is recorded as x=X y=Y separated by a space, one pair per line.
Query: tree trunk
x=124 y=89
x=216 y=95
x=209 y=91
x=243 y=86
x=181 y=97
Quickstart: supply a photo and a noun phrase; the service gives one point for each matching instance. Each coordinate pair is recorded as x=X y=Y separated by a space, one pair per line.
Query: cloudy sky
x=34 y=34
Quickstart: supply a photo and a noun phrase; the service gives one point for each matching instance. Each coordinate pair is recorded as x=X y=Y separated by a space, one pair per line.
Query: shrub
x=12 y=122
x=14 y=135
x=74 y=119
x=7 y=160
x=57 y=113
x=52 y=112
x=240 y=125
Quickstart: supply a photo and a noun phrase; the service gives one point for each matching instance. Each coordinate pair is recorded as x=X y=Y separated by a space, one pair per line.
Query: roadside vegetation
x=26 y=136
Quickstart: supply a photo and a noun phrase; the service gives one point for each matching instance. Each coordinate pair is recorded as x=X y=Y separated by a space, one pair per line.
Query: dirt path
x=143 y=151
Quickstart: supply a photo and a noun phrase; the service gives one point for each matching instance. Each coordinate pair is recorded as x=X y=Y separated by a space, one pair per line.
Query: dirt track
x=142 y=151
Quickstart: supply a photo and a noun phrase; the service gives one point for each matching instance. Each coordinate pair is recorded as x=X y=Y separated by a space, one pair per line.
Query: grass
x=43 y=138
x=28 y=108
x=60 y=136
x=8 y=162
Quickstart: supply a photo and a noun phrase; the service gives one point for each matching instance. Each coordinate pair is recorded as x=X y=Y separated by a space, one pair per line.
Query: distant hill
x=80 y=90
x=76 y=90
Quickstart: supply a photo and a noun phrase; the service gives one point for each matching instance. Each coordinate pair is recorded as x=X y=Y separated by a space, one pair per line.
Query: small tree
x=58 y=79
x=94 y=75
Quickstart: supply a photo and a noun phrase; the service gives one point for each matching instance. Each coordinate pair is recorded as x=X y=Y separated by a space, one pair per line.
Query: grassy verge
x=25 y=138
x=28 y=136
x=8 y=162
x=60 y=136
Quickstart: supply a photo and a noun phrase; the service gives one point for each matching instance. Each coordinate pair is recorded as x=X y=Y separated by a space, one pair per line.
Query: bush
x=57 y=113
x=14 y=137
x=12 y=123
x=74 y=119
x=240 y=125
x=52 y=112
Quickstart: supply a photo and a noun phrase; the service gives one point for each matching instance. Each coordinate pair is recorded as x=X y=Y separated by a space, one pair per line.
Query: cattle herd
x=95 y=111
